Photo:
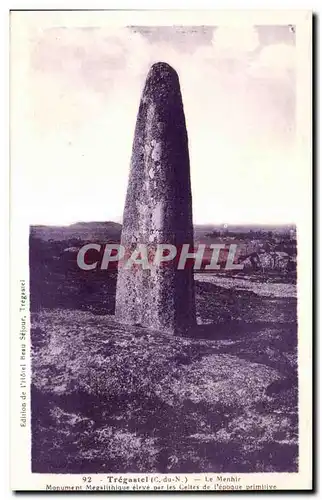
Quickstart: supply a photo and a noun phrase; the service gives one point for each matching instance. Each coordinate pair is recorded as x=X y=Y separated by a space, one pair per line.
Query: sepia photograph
x=161 y=164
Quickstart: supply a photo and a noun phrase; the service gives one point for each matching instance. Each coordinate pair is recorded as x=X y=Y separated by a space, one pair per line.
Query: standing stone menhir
x=158 y=210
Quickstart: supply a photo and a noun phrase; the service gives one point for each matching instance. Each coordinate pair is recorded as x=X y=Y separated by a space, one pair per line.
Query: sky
x=82 y=88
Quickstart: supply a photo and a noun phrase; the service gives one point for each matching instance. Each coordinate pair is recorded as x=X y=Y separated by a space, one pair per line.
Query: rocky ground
x=112 y=398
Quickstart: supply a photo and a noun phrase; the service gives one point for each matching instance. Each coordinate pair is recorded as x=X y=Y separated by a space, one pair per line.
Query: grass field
x=112 y=398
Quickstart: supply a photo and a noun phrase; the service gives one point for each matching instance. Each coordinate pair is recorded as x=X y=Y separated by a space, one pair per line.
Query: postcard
x=161 y=250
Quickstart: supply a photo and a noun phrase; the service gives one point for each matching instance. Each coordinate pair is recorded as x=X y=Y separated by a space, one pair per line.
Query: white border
x=19 y=232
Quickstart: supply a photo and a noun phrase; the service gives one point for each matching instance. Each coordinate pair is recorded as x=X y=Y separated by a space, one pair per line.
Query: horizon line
x=227 y=224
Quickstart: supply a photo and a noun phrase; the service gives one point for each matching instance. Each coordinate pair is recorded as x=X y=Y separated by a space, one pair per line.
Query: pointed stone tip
x=162 y=71
x=161 y=67
x=162 y=79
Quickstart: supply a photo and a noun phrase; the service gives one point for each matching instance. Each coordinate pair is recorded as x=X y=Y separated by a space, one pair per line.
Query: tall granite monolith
x=158 y=210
